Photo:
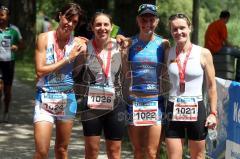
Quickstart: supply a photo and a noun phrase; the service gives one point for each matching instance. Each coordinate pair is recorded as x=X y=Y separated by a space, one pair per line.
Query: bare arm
x=40 y=56
x=164 y=82
x=207 y=63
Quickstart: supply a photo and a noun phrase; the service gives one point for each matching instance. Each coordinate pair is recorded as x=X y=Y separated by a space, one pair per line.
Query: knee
x=151 y=153
x=138 y=151
x=91 y=151
x=114 y=152
x=61 y=149
x=41 y=153
x=198 y=155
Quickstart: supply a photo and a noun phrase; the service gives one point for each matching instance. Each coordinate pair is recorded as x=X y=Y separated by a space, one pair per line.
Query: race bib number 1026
x=100 y=97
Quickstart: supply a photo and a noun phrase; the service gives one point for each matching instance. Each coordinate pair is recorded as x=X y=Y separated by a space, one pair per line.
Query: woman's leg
x=174 y=148
x=92 y=147
x=113 y=149
x=63 y=135
x=138 y=139
x=197 y=149
x=42 y=136
x=153 y=140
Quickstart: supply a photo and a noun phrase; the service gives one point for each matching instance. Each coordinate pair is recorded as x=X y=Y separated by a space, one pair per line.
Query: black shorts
x=7 y=72
x=112 y=123
x=192 y=130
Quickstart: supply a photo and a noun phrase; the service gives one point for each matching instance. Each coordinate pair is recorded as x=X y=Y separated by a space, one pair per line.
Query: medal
x=182 y=86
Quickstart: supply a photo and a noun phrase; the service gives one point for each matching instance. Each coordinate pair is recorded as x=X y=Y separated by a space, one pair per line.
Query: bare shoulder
x=206 y=56
x=42 y=37
x=205 y=53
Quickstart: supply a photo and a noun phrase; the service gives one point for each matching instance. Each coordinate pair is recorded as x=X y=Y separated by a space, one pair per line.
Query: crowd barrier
x=227 y=144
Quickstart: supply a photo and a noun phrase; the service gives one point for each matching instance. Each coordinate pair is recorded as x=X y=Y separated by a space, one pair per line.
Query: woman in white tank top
x=187 y=64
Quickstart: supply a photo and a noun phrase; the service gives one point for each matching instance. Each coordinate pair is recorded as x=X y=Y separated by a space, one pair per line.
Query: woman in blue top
x=55 y=99
x=145 y=105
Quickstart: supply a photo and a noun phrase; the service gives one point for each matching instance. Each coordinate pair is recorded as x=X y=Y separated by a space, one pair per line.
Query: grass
x=25 y=72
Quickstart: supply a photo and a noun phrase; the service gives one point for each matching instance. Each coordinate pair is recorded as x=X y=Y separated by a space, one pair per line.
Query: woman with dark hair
x=55 y=98
x=188 y=66
x=102 y=77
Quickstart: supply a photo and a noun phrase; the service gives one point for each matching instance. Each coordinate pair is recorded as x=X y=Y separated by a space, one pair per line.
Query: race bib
x=5 y=49
x=145 y=113
x=185 y=109
x=101 y=97
x=54 y=103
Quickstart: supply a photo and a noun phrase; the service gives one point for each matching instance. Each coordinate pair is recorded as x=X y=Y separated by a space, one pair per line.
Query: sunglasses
x=178 y=15
x=4 y=8
x=147 y=6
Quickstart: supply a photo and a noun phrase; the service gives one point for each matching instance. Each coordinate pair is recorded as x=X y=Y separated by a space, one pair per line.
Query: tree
x=195 y=21
x=125 y=12
x=23 y=14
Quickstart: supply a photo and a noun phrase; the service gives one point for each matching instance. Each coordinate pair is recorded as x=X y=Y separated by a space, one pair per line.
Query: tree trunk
x=23 y=15
x=125 y=14
x=195 y=21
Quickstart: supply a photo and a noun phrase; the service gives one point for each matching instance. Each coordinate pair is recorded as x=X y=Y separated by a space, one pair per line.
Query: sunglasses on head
x=147 y=6
x=101 y=11
x=178 y=15
x=4 y=8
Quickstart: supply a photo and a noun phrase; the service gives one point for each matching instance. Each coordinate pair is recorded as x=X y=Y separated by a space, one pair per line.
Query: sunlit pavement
x=16 y=136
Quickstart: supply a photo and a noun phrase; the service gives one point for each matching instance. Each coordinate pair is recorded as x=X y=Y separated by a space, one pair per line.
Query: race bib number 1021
x=185 y=109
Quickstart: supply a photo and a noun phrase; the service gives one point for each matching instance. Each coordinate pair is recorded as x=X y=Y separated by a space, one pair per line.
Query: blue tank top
x=61 y=80
x=146 y=60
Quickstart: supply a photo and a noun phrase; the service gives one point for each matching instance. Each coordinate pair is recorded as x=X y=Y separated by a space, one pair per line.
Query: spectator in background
x=216 y=35
x=21 y=42
x=9 y=43
x=47 y=26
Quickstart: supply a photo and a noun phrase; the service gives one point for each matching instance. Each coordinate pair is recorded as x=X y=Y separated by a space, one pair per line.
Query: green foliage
x=208 y=12
x=50 y=7
x=168 y=7
x=25 y=72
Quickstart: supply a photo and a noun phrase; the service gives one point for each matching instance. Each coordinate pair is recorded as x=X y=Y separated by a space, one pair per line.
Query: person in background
x=145 y=102
x=9 y=44
x=185 y=113
x=47 y=26
x=216 y=36
x=21 y=42
x=55 y=100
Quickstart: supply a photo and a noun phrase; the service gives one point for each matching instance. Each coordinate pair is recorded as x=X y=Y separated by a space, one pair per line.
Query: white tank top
x=193 y=74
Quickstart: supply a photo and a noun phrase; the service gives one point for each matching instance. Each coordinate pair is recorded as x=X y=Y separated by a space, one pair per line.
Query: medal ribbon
x=182 y=69
x=105 y=70
x=59 y=54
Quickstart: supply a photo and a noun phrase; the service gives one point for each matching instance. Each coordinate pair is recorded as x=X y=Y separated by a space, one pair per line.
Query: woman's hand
x=211 y=121
x=80 y=46
x=123 y=41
